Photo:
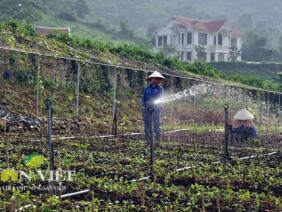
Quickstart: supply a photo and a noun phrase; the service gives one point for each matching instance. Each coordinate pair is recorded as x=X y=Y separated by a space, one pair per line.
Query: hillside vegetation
x=136 y=20
x=24 y=37
x=266 y=71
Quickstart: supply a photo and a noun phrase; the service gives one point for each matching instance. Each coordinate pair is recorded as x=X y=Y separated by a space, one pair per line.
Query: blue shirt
x=246 y=132
x=152 y=93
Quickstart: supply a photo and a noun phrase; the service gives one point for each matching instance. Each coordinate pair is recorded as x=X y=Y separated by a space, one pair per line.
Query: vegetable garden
x=112 y=172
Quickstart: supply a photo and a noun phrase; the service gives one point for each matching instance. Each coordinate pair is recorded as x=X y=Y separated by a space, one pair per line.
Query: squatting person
x=243 y=127
x=152 y=92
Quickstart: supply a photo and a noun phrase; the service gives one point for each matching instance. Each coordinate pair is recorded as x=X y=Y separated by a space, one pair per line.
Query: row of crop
x=199 y=175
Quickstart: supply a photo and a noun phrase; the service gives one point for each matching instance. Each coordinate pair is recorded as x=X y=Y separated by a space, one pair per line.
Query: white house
x=180 y=37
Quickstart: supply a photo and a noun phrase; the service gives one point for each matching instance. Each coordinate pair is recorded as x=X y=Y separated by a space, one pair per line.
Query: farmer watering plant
x=152 y=92
x=243 y=126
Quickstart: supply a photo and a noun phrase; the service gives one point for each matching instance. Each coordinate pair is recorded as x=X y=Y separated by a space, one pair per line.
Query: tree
x=234 y=53
x=200 y=51
x=252 y=47
x=168 y=50
x=28 y=10
x=245 y=21
x=125 y=30
x=82 y=8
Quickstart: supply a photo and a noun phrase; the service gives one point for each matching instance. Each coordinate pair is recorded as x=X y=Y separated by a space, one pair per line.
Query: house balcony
x=219 y=47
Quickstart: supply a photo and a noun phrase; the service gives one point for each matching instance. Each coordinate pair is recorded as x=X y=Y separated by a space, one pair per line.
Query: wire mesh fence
x=117 y=92
x=94 y=102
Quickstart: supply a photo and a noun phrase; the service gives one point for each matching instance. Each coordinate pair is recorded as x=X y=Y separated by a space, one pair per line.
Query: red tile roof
x=204 y=25
x=236 y=32
x=47 y=30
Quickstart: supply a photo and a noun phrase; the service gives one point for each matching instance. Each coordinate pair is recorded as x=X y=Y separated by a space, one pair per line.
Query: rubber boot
x=158 y=137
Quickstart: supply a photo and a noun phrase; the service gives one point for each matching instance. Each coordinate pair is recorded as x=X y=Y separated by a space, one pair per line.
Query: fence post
x=48 y=104
x=268 y=100
x=114 y=97
x=77 y=92
x=226 y=137
x=37 y=86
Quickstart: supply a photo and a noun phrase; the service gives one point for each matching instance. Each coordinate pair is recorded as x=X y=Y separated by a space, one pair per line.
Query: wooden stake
x=118 y=160
x=143 y=194
x=92 y=202
x=203 y=202
x=13 y=205
x=83 y=156
x=217 y=203
x=97 y=148
x=244 y=174
x=165 y=184
x=18 y=203
x=169 y=208
x=193 y=173
x=7 y=151
x=138 y=175
x=155 y=182
x=37 y=206
x=148 y=157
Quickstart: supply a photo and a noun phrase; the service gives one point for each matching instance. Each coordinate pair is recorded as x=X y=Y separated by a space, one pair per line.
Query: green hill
x=264 y=71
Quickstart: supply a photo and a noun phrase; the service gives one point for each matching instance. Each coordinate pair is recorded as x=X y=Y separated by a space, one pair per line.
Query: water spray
x=194 y=91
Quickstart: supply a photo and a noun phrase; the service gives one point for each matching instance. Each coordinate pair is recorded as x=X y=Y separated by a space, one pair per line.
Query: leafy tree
x=82 y=8
x=252 y=47
x=234 y=53
x=125 y=30
x=168 y=50
x=245 y=21
x=200 y=51
x=28 y=10
x=267 y=54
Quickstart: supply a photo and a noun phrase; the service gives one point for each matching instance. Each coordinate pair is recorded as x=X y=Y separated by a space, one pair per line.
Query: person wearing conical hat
x=152 y=92
x=243 y=126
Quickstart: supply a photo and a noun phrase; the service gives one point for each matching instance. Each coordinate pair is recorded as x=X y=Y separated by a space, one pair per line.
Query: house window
x=189 y=38
x=165 y=40
x=160 y=39
x=220 y=56
x=219 y=39
x=234 y=42
x=182 y=38
x=212 y=56
x=214 y=40
x=171 y=39
x=179 y=38
x=202 y=39
x=181 y=55
x=189 y=56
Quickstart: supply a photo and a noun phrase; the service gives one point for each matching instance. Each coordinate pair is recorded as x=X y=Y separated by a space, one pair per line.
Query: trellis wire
x=115 y=67
x=122 y=67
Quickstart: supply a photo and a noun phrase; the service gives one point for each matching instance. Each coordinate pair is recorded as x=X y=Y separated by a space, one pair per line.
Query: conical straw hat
x=243 y=115
x=156 y=74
